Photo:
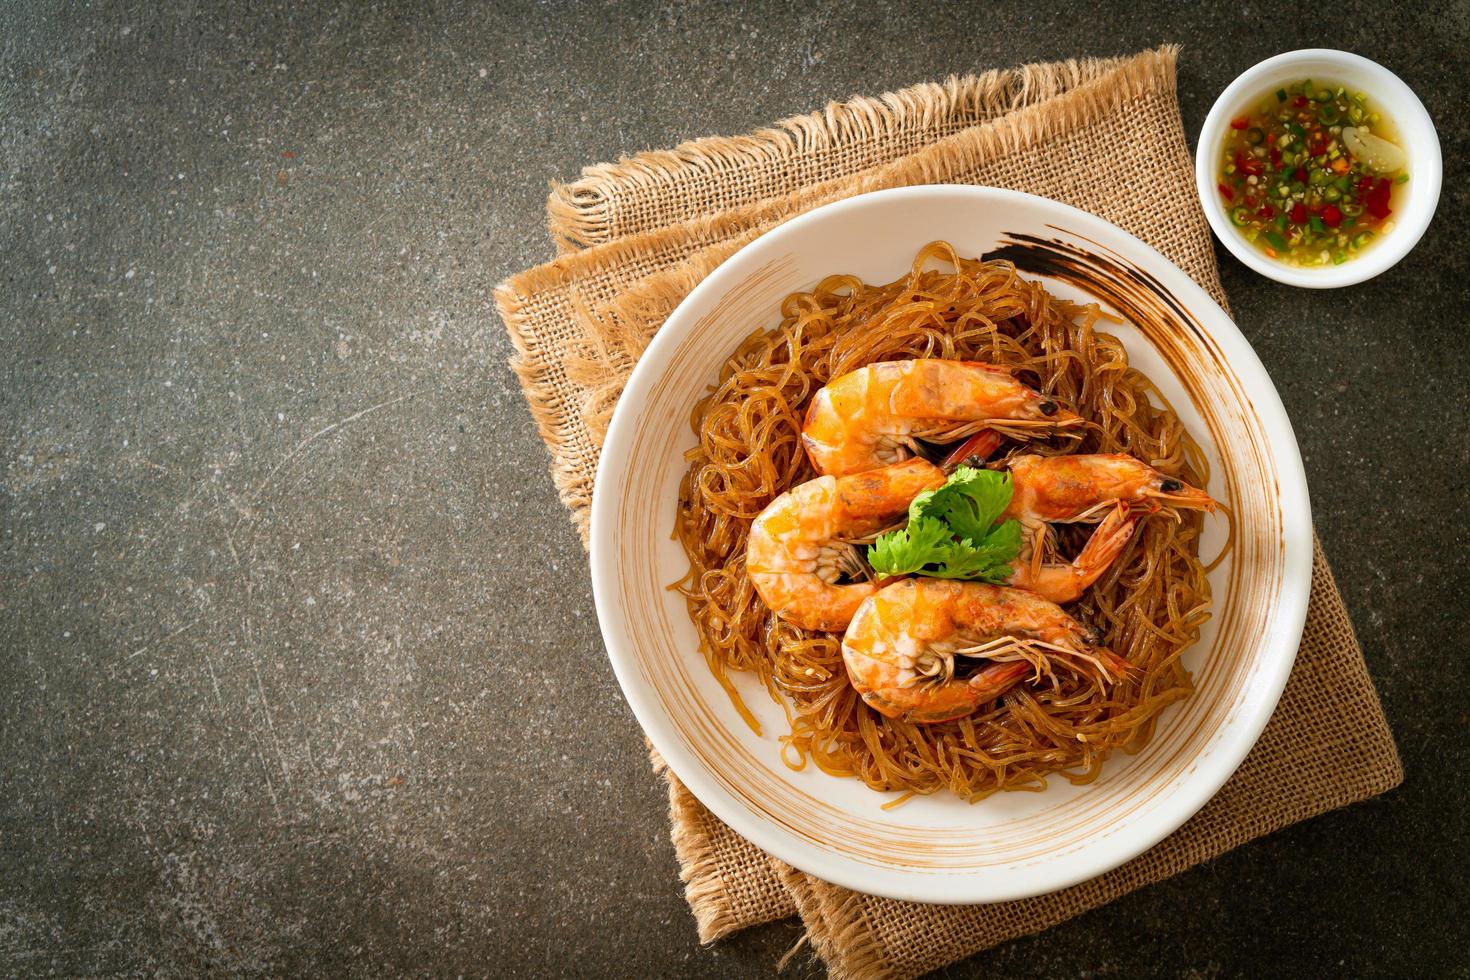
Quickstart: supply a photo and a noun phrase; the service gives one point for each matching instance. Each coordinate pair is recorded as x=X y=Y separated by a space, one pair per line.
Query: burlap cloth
x=636 y=236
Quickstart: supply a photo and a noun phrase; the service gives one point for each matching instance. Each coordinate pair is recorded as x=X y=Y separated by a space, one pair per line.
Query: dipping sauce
x=1310 y=173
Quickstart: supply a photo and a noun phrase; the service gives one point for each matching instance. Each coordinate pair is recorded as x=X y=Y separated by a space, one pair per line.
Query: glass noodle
x=1150 y=604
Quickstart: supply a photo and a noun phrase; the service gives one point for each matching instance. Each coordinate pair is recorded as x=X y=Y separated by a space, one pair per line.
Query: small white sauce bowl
x=1390 y=96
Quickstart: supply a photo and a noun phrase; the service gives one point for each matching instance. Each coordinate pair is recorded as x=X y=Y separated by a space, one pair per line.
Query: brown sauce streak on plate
x=1134 y=293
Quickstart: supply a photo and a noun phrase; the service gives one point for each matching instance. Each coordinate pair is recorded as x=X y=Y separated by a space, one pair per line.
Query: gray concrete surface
x=298 y=659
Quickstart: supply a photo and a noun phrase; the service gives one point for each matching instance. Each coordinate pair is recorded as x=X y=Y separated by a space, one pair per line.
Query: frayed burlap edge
x=837 y=926
x=583 y=213
x=535 y=367
x=699 y=869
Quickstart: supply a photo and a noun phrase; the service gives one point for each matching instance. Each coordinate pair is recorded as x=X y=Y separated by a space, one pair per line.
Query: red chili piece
x=1227 y=192
x=1332 y=216
x=1298 y=214
x=1240 y=122
x=1377 y=200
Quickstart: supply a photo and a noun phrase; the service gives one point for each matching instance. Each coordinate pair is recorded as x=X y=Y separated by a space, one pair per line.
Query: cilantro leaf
x=925 y=541
x=952 y=531
x=970 y=502
x=989 y=560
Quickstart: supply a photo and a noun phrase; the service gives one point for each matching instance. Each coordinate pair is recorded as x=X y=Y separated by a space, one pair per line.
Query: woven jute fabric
x=636 y=236
x=715 y=174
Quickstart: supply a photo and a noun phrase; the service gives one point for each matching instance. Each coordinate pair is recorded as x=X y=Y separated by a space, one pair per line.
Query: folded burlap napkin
x=636 y=236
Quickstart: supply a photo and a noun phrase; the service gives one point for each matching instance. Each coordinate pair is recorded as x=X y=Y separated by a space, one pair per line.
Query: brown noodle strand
x=1150 y=604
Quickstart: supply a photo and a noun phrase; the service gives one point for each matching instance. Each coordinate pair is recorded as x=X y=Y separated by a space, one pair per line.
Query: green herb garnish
x=952 y=531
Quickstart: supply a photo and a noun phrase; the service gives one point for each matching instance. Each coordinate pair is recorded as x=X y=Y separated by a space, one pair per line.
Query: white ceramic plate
x=938 y=848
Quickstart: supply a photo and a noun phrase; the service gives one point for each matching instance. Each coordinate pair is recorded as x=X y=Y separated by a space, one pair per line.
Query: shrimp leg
x=1063 y=582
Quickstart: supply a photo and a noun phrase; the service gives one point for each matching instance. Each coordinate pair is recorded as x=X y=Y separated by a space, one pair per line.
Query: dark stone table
x=298 y=656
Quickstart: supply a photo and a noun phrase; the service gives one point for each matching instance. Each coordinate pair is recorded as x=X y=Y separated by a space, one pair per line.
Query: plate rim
x=950 y=889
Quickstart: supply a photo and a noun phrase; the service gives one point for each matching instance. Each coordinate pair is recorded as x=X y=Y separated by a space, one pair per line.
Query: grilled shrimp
x=803 y=542
x=928 y=650
x=1111 y=490
x=873 y=415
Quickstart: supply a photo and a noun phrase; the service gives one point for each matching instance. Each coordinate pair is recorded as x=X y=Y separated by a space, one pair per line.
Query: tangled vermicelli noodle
x=1150 y=604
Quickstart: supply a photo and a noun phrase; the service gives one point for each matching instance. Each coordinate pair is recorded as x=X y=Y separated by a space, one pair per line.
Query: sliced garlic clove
x=1376 y=153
